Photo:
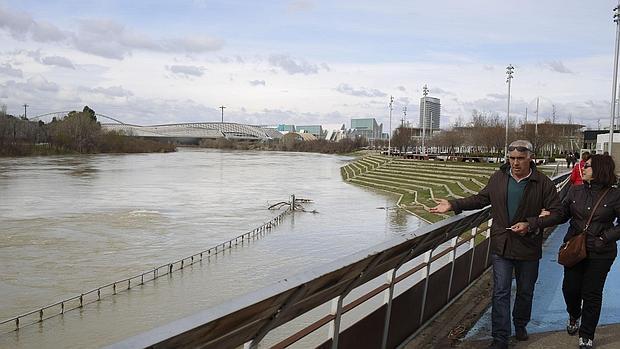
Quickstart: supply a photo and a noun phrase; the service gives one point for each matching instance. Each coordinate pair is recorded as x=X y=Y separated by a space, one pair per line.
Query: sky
x=150 y=62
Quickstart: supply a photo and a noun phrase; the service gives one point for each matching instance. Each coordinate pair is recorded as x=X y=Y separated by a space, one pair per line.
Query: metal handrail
x=124 y=284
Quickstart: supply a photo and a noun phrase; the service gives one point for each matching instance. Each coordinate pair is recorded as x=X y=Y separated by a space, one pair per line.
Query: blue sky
x=305 y=61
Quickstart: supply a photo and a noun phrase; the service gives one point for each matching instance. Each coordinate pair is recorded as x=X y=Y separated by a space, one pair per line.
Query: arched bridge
x=194 y=130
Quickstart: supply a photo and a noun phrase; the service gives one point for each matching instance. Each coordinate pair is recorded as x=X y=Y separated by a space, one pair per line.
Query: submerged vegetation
x=77 y=132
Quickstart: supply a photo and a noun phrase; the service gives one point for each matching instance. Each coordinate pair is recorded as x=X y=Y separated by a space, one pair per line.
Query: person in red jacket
x=576 y=177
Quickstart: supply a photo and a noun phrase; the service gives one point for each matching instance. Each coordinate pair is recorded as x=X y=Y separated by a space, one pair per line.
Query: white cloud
x=7 y=69
x=113 y=91
x=558 y=66
x=293 y=66
x=359 y=92
x=257 y=82
x=186 y=70
x=58 y=61
x=38 y=82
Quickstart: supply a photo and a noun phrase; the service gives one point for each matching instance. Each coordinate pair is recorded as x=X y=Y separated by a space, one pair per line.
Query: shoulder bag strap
x=595 y=207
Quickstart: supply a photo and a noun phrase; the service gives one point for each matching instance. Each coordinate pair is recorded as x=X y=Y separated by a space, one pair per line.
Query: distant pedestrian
x=576 y=176
x=568 y=159
x=517 y=193
x=583 y=283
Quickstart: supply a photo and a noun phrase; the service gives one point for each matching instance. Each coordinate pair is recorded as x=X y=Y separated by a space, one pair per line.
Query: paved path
x=549 y=314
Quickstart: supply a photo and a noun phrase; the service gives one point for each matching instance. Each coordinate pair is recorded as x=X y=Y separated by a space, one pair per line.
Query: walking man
x=517 y=193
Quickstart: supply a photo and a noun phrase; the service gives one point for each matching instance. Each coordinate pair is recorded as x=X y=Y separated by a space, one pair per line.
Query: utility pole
x=222 y=107
x=536 y=126
x=390 y=135
x=509 y=71
x=403 y=129
x=25 y=109
x=425 y=93
x=525 y=123
x=553 y=114
x=615 y=78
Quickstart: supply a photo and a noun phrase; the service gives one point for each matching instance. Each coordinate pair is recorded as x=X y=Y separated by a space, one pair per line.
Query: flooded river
x=72 y=223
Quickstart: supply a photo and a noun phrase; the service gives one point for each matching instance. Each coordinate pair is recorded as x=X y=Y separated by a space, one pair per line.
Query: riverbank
x=343 y=147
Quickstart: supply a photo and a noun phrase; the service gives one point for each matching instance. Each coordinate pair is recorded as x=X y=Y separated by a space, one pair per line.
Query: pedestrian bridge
x=382 y=297
x=198 y=130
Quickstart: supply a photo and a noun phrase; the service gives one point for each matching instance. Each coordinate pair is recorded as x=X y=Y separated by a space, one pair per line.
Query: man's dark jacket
x=577 y=206
x=539 y=193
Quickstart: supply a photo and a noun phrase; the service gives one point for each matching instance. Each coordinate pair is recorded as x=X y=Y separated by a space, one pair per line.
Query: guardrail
x=451 y=259
x=112 y=288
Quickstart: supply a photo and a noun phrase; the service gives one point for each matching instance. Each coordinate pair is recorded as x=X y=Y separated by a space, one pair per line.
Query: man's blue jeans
x=526 y=273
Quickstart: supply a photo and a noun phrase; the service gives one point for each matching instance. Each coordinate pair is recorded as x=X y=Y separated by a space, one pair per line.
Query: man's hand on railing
x=442 y=207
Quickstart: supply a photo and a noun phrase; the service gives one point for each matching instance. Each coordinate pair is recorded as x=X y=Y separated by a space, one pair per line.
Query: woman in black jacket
x=583 y=283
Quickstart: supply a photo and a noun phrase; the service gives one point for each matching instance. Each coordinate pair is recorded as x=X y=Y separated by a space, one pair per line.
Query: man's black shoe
x=521 y=334
x=498 y=345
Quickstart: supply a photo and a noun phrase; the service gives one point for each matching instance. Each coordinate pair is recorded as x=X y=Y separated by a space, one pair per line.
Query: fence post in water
x=17 y=322
x=293 y=202
x=62 y=307
x=40 y=315
x=114 y=288
x=98 y=294
x=81 y=300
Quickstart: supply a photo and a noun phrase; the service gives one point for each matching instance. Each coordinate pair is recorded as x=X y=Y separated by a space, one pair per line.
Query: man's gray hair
x=522 y=143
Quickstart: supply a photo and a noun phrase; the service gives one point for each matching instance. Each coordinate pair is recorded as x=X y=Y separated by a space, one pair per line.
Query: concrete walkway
x=607 y=337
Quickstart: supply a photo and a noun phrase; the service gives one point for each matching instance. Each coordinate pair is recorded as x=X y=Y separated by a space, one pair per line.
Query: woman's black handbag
x=573 y=251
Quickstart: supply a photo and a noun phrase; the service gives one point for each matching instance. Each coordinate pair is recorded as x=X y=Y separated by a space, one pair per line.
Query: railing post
x=453 y=244
x=427 y=259
x=388 y=296
x=334 y=327
x=472 y=247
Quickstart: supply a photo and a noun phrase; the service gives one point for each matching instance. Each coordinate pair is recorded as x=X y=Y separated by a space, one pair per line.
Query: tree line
x=485 y=134
x=77 y=132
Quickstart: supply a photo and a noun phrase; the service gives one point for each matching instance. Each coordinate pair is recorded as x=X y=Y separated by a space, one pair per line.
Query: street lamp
x=390 y=135
x=425 y=93
x=509 y=70
x=615 y=79
x=222 y=107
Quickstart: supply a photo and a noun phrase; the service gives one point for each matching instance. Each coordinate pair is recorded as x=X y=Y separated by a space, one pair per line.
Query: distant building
x=433 y=114
x=315 y=130
x=286 y=128
x=367 y=128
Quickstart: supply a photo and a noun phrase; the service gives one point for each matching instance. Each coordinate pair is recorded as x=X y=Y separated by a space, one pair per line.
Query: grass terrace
x=419 y=182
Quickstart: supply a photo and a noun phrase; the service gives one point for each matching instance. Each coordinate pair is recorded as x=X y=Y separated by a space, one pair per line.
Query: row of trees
x=486 y=134
x=289 y=144
x=77 y=132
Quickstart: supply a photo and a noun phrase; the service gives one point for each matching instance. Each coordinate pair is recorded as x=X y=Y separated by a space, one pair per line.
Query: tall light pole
x=509 y=70
x=390 y=135
x=403 y=129
x=425 y=93
x=615 y=79
x=25 y=108
x=222 y=107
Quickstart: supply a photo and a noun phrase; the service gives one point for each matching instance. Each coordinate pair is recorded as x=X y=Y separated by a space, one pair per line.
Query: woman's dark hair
x=603 y=169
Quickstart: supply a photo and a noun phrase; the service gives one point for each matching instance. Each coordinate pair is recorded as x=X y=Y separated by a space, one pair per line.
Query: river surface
x=71 y=223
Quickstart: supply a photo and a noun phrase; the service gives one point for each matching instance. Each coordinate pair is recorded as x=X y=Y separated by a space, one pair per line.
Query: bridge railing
x=413 y=277
x=112 y=288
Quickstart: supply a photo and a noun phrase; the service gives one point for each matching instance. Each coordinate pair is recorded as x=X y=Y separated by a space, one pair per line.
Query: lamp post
x=425 y=93
x=615 y=79
x=222 y=107
x=509 y=71
x=390 y=134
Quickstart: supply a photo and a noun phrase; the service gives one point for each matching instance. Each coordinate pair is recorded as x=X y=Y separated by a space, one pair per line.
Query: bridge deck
x=549 y=314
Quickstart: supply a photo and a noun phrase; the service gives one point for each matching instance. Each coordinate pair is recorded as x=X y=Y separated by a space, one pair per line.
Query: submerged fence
x=113 y=288
x=410 y=279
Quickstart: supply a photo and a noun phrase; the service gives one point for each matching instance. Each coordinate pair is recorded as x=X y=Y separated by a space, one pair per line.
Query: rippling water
x=71 y=223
